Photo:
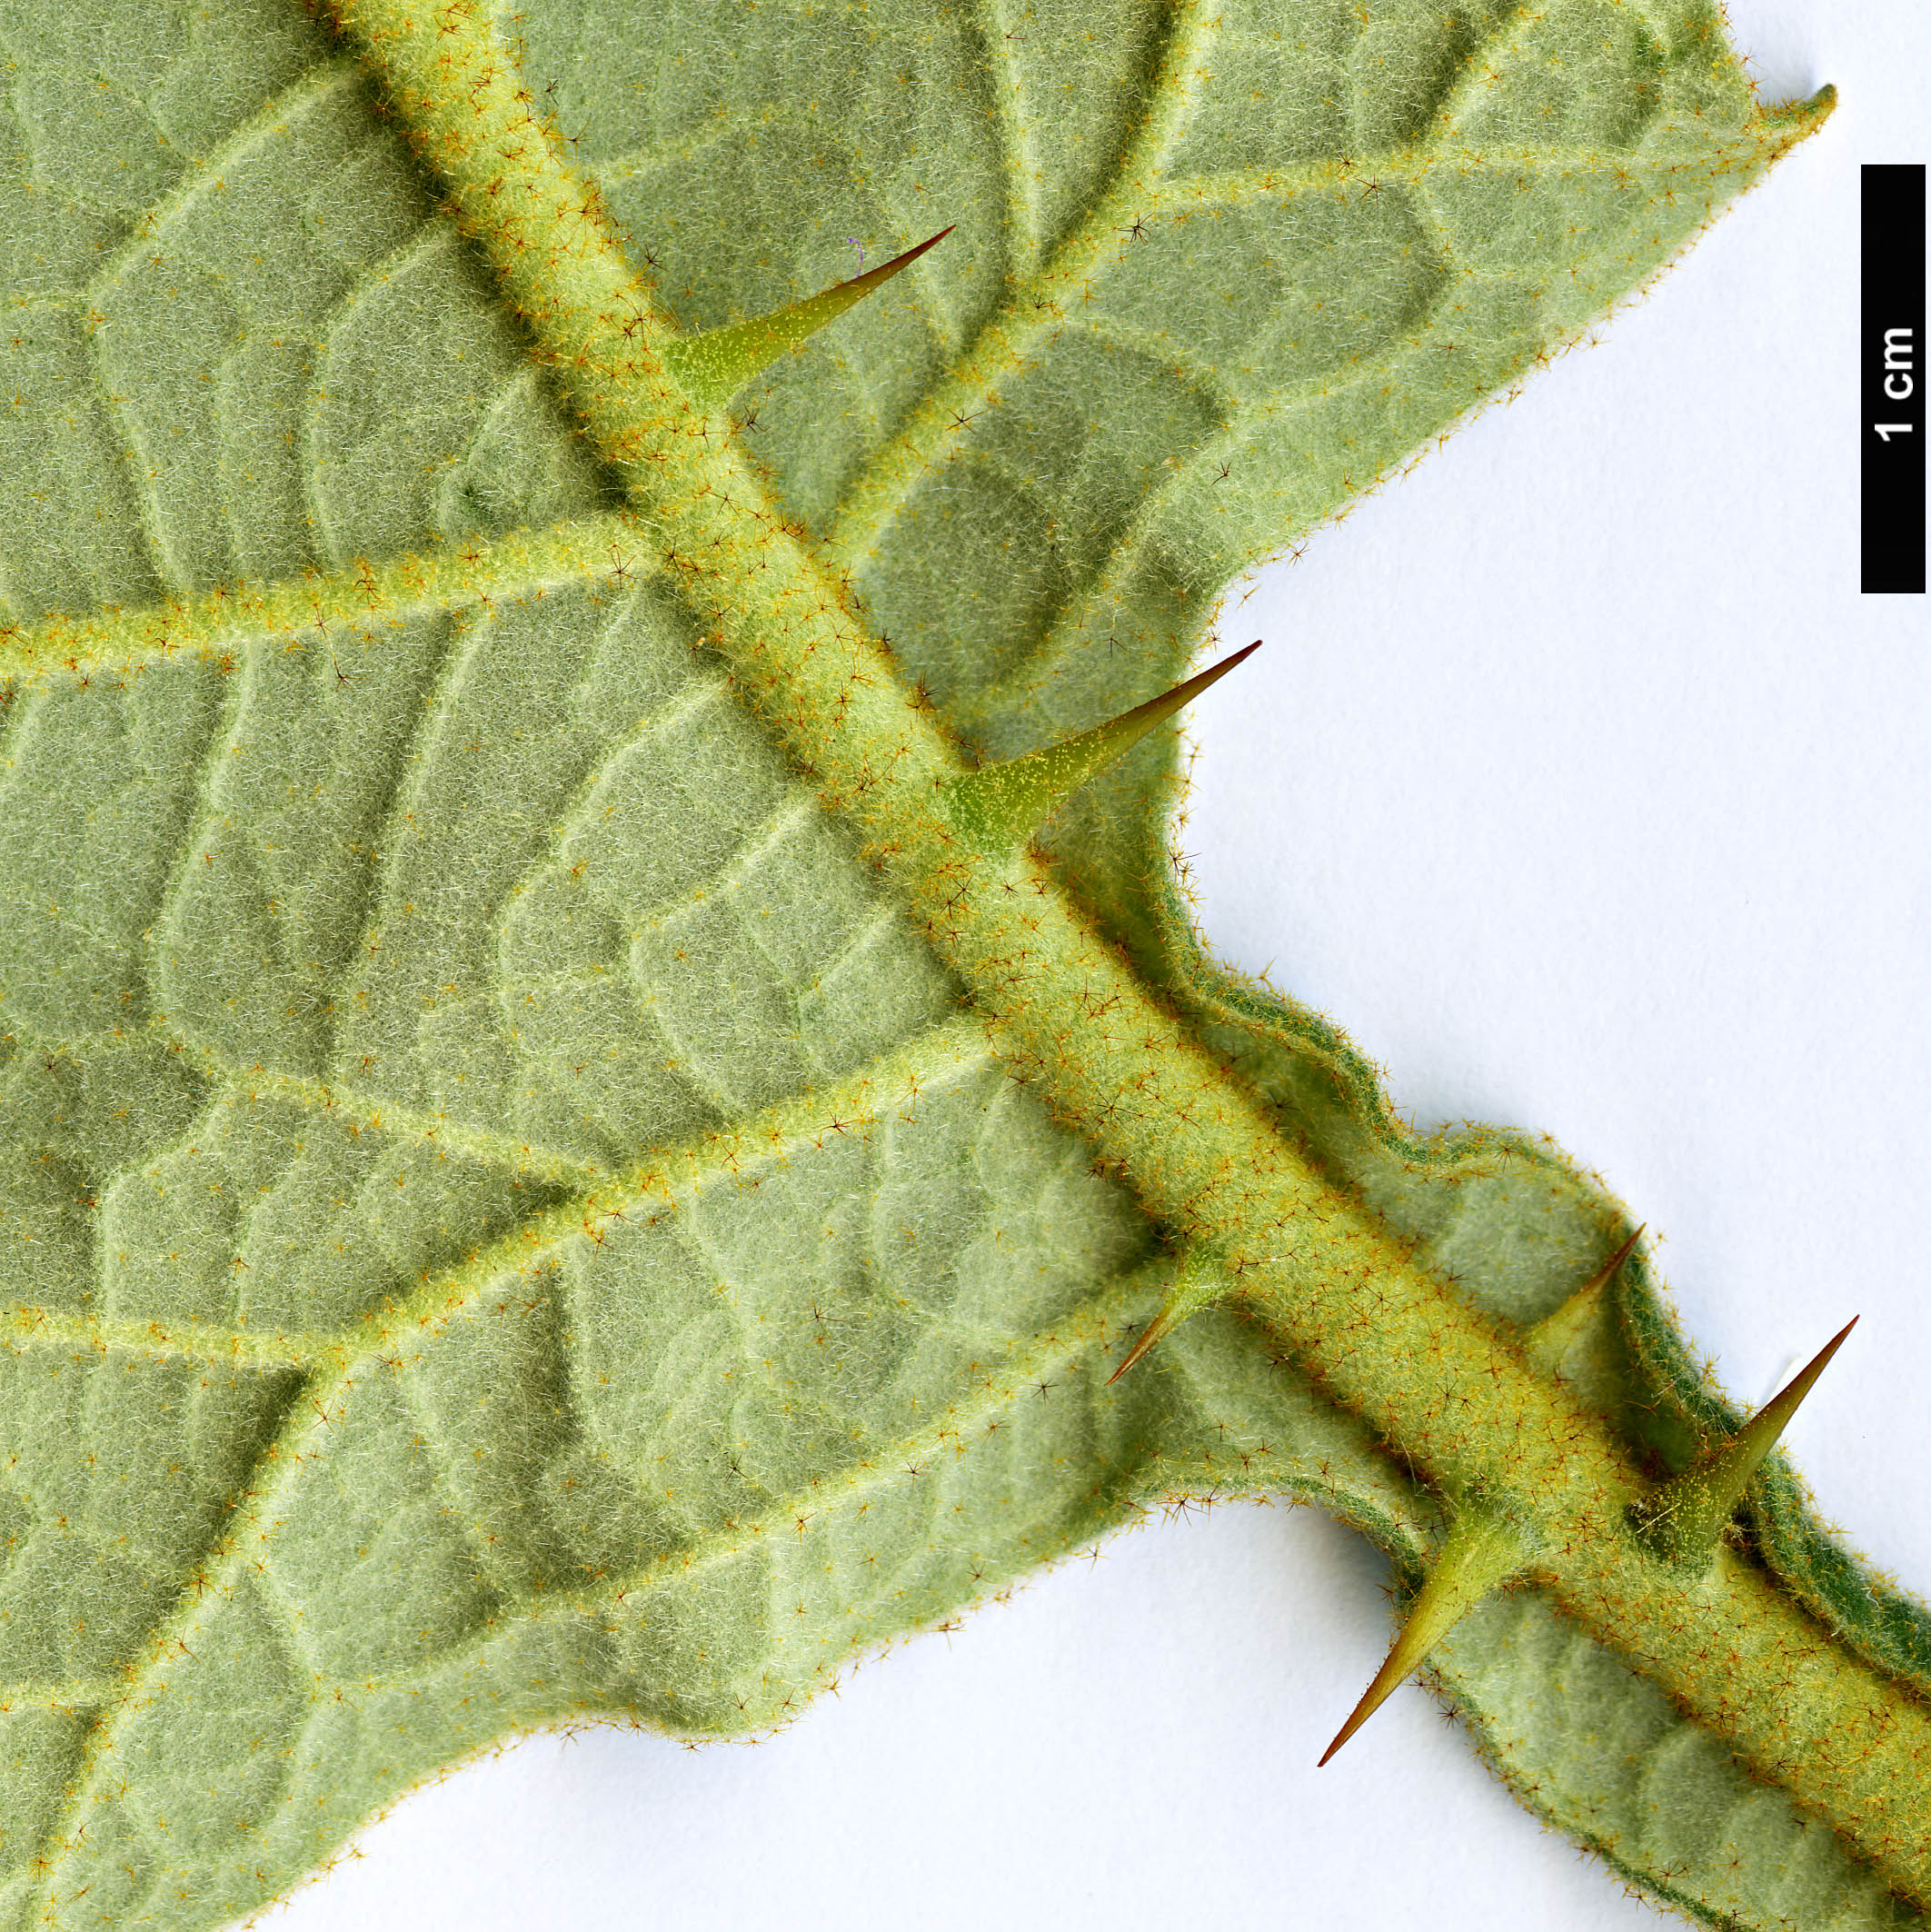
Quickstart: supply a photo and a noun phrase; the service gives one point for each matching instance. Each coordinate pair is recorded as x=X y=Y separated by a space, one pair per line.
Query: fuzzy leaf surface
x=505 y=1220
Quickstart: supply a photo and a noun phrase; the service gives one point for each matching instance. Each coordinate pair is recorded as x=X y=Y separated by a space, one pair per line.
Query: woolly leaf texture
x=506 y=1218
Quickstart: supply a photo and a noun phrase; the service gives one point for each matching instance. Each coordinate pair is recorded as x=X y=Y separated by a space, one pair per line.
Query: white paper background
x=1580 y=785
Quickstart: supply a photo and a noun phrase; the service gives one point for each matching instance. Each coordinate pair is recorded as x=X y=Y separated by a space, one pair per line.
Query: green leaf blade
x=354 y=967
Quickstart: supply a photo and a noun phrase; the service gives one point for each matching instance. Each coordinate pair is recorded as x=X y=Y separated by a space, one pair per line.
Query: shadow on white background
x=1580 y=785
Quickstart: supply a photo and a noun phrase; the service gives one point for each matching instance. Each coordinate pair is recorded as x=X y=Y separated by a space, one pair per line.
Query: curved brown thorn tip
x=1773 y=1417
x=1610 y=1268
x=1384 y=1680
x=1168 y=702
x=885 y=271
x=1150 y=1334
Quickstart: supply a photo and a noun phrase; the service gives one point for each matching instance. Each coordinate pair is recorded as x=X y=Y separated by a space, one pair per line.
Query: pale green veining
x=503 y=1179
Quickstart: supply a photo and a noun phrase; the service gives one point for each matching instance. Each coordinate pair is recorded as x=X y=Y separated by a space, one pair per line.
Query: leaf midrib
x=1472 y=56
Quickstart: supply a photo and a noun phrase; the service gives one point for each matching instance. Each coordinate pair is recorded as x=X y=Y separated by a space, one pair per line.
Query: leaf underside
x=504 y=1221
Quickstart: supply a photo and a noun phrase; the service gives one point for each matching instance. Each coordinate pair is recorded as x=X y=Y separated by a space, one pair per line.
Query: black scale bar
x=1891 y=341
